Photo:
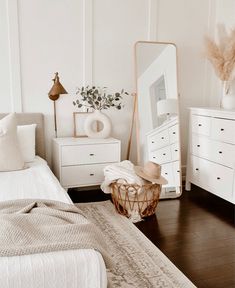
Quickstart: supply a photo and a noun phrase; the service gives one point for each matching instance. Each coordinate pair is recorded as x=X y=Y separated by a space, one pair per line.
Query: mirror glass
x=157 y=107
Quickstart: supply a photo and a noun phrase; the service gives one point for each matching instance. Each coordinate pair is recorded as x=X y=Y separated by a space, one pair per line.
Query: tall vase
x=97 y=116
x=228 y=97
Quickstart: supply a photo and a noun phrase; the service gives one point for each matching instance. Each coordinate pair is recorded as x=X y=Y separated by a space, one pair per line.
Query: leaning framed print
x=79 y=119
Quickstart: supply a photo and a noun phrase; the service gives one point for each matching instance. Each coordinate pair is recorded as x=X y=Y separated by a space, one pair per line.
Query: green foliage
x=98 y=98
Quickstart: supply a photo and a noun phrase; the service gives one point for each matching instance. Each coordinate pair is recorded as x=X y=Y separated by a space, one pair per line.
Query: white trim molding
x=209 y=79
x=14 y=55
x=87 y=42
x=153 y=6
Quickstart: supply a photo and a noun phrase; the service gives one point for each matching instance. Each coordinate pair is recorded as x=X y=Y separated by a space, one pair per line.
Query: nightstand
x=79 y=162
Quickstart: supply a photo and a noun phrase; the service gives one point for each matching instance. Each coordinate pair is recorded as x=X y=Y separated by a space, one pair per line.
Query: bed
x=71 y=268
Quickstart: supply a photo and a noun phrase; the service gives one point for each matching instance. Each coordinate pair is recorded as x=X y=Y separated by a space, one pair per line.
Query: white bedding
x=35 y=182
x=73 y=268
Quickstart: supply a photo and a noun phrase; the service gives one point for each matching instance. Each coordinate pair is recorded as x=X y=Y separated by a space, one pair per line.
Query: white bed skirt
x=63 y=269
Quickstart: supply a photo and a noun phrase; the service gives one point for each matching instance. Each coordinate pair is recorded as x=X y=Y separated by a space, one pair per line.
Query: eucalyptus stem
x=98 y=99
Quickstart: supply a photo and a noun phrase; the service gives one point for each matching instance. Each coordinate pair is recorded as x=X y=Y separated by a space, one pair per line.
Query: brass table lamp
x=54 y=95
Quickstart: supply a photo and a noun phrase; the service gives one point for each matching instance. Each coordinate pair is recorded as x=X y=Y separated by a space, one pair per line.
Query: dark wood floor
x=196 y=232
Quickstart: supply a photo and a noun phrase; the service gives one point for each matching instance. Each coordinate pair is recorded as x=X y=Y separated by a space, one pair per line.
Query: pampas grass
x=222 y=54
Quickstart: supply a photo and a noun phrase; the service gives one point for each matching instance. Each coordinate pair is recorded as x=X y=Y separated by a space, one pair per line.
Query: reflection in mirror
x=158 y=121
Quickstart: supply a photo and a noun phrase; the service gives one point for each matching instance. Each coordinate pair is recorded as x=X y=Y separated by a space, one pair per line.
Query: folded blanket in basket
x=37 y=226
x=123 y=170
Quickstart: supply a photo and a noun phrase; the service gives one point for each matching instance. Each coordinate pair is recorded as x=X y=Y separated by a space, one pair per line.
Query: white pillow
x=26 y=137
x=10 y=154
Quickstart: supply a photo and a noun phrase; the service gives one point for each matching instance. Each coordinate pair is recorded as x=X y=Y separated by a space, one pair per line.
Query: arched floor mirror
x=157 y=111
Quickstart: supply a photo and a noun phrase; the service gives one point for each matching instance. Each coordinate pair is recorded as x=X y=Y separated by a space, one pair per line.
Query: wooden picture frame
x=78 y=124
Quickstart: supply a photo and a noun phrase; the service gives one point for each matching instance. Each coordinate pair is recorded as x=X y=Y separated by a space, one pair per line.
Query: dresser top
x=84 y=141
x=165 y=125
x=213 y=112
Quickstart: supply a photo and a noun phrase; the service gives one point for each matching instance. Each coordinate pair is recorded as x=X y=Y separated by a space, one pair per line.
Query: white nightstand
x=79 y=162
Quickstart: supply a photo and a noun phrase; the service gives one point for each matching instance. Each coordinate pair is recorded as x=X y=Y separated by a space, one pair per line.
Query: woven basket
x=129 y=198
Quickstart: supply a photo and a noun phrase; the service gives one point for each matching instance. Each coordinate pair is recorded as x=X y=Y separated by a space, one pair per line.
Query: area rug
x=140 y=263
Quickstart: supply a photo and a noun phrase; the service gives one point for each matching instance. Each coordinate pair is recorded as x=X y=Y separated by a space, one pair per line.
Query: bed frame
x=33 y=118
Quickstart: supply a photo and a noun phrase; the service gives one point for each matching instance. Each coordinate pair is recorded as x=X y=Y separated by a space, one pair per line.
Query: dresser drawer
x=223 y=153
x=162 y=155
x=215 y=151
x=176 y=173
x=159 y=140
x=175 y=154
x=201 y=146
x=89 y=154
x=82 y=175
x=201 y=125
x=223 y=130
x=212 y=177
x=174 y=133
x=167 y=173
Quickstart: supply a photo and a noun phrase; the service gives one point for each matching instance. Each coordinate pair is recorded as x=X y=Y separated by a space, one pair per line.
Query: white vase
x=97 y=116
x=228 y=98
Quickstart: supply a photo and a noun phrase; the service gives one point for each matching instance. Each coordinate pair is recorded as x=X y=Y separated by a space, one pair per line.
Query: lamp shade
x=56 y=89
x=167 y=107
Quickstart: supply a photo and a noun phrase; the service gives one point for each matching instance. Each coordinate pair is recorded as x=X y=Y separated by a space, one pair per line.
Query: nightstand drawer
x=82 y=175
x=90 y=154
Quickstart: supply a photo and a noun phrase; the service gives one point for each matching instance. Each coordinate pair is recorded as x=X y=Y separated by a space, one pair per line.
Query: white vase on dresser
x=163 y=148
x=79 y=162
x=211 y=152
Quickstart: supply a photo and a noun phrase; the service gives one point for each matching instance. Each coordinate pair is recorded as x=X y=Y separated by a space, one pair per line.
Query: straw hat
x=151 y=172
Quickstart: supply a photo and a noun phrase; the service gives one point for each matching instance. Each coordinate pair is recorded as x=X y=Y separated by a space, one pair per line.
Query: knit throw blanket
x=37 y=226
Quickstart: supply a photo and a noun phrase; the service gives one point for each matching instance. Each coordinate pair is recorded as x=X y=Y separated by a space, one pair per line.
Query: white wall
x=5 y=81
x=86 y=41
x=92 y=41
x=223 y=14
x=51 y=39
x=117 y=26
x=185 y=23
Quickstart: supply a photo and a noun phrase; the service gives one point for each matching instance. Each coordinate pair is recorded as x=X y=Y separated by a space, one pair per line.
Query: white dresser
x=164 y=148
x=211 y=151
x=79 y=162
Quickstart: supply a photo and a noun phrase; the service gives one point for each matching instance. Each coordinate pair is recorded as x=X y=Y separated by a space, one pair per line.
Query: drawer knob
x=166 y=173
x=91 y=174
x=222 y=129
x=154 y=157
x=199 y=125
x=174 y=133
x=91 y=154
x=178 y=171
x=197 y=169
x=198 y=145
x=218 y=178
x=164 y=154
x=176 y=150
x=220 y=152
x=162 y=137
x=153 y=142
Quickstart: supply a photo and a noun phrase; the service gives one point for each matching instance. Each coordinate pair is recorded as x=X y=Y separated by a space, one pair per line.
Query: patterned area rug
x=140 y=263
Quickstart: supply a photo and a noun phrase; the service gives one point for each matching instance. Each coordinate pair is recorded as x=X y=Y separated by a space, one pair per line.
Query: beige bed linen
x=38 y=226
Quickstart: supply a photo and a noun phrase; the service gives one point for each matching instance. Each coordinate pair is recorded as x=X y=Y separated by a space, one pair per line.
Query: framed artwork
x=78 y=122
